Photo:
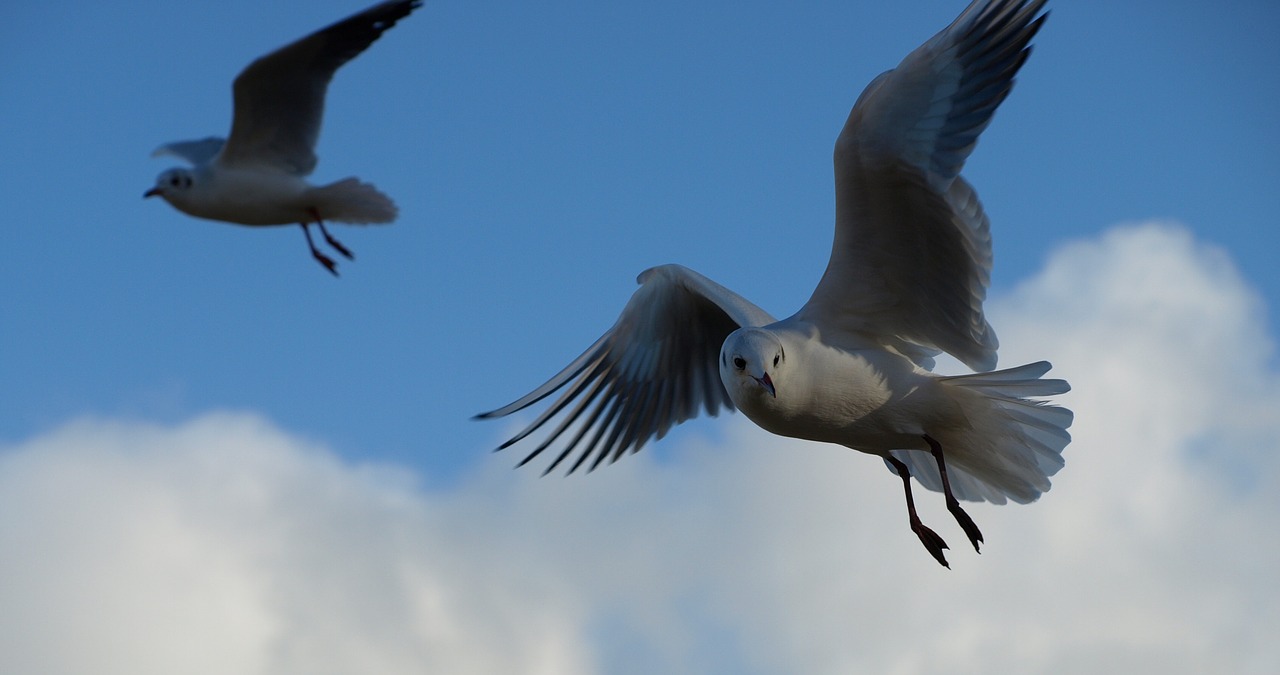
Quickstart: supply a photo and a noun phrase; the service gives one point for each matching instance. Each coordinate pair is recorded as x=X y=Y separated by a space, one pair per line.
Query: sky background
x=214 y=457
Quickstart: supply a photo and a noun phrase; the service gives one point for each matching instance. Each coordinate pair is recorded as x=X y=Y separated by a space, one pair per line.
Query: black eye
x=775 y=358
x=739 y=362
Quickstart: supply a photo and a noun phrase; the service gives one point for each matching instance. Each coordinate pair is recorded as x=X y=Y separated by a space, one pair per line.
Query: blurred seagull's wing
x=279 y=98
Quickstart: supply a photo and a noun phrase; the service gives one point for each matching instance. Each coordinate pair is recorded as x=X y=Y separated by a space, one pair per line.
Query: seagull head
x=749 y=363
x=170 y=183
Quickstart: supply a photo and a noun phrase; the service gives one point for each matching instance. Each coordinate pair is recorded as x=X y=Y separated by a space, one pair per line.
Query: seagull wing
x=279 y=99
x=196 y=152
x=655 y=368
x=911 y=259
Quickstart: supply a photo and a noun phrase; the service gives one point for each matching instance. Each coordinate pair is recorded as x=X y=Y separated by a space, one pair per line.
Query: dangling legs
x=953 y=504
x=322 y=258
x=932 y=542
x=337 y=245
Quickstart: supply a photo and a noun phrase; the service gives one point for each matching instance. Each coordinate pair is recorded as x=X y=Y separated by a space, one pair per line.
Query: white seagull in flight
x=257 y=176
x=907 y=277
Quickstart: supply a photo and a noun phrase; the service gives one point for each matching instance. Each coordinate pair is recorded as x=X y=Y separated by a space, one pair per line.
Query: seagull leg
x=953 y=504
x=322 y=258
x=932 y=542
x=337 y=245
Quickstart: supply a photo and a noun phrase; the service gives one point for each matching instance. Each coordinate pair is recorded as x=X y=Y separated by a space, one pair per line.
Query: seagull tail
x=351 y=201
x=1012 y=442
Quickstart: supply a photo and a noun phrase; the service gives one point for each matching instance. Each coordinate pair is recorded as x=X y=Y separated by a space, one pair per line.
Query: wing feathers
x=657 y=367
x=911 y=257
x=196 y=152
x=279 y=98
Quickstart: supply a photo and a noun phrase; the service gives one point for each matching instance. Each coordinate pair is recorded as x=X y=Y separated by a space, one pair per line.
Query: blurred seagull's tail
x=351 y=201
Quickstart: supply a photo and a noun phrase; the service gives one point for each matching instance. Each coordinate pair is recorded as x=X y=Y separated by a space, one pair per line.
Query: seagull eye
x=775 y=359
x=739 y=362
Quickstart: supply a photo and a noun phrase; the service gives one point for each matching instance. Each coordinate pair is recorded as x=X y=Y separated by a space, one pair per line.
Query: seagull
x=906 y=280
x=256 y=177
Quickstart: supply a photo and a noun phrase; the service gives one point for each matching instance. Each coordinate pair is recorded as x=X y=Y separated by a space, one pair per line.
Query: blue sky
x=542 y=155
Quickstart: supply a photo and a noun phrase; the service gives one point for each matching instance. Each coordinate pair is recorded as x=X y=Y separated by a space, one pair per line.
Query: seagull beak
x=766 y=382
x=151 y=193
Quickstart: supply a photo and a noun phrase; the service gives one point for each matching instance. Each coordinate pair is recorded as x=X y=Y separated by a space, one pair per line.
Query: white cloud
x=225 y=545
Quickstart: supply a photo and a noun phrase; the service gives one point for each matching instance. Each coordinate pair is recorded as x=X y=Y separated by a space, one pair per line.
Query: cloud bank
x=227 y=545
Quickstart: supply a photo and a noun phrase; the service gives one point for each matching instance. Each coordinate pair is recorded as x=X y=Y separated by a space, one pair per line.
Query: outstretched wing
x=911 y=259
x=655 y=368
x=279 y=99
x=196 y=152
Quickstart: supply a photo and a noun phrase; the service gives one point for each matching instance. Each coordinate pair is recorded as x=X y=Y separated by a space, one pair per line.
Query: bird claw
x=966 y=523
x=337 y=246
x=933 y=543
x=328 y=262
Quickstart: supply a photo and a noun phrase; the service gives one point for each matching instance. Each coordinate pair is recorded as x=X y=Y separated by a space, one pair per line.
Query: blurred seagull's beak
x=766 y=382
x=151 y=193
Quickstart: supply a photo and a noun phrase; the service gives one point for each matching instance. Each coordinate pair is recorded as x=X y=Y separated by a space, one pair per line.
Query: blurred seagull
x=906 y=280
x=256 y=177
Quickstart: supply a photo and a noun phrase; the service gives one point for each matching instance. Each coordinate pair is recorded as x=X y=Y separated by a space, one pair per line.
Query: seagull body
x=908 y=273
x=257 y=176
x=867 y=398
x=874 y=400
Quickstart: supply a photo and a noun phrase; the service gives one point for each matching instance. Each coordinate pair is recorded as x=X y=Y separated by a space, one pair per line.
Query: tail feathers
x=1021 y=381
x=351 y=201
x=1012 y=444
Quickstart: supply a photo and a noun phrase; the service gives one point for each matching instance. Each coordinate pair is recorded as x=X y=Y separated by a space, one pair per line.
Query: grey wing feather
x=279 y=98
x=655 y=368
x=911 y=258
x=197 y=153
x=929 y=111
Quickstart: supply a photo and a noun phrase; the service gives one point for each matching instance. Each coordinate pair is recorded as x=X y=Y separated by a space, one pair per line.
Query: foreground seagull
x=907 y=277
x=256 y=177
